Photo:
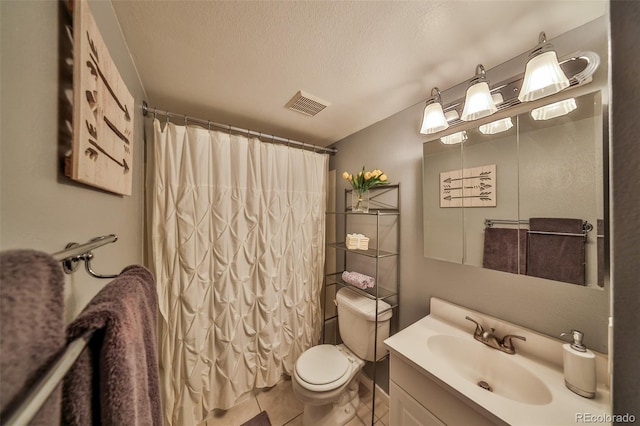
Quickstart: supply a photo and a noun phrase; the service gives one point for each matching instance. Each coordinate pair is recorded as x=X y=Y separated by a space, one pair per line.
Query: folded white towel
x=359 y=280
x=357 y=242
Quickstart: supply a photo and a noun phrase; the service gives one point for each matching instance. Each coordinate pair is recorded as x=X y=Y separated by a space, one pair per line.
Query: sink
x=490 y=369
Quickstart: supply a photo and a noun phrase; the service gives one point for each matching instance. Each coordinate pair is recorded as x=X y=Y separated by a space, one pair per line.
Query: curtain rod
x=146 y=110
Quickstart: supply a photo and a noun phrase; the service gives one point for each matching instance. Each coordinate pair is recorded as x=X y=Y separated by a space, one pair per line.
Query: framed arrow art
x=474 y=187
x=102 y=149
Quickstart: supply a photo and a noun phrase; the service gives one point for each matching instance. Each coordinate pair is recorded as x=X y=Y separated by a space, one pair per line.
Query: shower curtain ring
x=185 y=120
x=209 y=125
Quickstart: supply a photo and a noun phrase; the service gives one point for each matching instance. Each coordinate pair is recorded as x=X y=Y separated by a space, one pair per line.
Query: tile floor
x=284 y=409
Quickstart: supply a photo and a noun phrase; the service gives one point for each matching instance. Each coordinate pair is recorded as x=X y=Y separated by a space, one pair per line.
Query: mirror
x=524 y=195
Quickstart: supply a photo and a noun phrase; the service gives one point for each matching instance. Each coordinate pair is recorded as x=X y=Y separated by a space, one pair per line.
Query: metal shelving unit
x=384 y=212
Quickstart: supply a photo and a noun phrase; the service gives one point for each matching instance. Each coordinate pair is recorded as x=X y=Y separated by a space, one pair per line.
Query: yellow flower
x=364 y=180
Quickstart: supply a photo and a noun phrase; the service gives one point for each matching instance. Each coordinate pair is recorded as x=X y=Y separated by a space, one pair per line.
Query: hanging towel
x=600 y=248
x=501 y=250
x=359 y=280
x=115 y=381
x=557 y=257
x=31 y=328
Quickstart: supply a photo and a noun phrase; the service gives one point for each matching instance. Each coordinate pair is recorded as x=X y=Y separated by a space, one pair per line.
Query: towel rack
x=586 y=227
x=75 y=253
x=48 y=382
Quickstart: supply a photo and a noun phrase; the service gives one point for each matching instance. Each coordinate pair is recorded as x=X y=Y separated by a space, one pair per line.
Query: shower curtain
x=237 y=249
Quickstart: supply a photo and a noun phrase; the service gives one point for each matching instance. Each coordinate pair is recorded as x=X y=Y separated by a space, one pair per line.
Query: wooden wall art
x=102 y=151
x=474 y=187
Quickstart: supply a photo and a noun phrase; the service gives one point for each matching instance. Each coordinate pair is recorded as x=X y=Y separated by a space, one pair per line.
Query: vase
x=360 y=201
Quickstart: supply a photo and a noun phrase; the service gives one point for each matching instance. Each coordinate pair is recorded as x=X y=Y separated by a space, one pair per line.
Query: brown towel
x=600 y=248
x=31 y=328
x=557 y=257
x=115 y=381
x=501 y=250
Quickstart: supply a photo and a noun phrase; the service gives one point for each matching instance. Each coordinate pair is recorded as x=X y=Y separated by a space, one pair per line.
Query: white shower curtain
x=237 y=249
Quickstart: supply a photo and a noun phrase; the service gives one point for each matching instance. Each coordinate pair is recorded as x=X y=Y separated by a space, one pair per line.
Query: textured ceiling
x=239 y=62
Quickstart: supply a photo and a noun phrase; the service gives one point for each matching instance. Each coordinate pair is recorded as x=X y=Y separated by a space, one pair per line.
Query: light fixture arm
x=481 y=75
x=542 y=47
x=436 y=96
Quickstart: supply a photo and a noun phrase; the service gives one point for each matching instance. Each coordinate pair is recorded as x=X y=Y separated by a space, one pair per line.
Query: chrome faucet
x=490 y=339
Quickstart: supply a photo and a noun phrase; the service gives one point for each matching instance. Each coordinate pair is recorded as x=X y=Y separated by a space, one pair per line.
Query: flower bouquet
x=361 y=184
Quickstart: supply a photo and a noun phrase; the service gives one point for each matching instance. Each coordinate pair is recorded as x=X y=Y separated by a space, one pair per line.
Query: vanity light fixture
x=497 y=126
x=543 y=75
x=478 y=102
x=454 y=138
x=433 y=120
x=452 y=115
x=554 y=110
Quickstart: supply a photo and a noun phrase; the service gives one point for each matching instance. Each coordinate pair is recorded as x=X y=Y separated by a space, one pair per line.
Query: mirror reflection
x=523 y=194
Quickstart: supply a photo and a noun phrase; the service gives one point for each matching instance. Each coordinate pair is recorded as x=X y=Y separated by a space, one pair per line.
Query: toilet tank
x=357 y=322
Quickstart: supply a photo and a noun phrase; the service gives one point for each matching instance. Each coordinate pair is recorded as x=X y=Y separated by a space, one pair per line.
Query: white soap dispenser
x=579 y=366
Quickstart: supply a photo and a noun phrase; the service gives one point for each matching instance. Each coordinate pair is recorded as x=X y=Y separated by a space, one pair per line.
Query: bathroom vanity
x=441 y=375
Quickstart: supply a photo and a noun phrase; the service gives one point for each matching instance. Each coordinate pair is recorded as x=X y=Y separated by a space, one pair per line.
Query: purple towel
x=359 y=280
x=557 y=257
x=600 y=248
x=31 y=328
x=502 y=251
x=115 y=381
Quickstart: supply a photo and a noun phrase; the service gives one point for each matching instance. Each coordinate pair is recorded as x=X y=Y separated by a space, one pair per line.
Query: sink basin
x=490 y=369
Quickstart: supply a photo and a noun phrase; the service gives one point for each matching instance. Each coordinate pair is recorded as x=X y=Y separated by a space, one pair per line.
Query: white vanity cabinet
x=416 y=398
x=405 y=410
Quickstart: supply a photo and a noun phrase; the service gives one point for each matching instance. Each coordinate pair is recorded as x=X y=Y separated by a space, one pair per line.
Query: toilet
x=325 y=376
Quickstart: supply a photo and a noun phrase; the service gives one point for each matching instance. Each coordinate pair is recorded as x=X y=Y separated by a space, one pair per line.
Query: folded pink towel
x=359 y=280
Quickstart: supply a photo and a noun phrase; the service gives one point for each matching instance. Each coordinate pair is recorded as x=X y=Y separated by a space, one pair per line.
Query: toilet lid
x=322 y=364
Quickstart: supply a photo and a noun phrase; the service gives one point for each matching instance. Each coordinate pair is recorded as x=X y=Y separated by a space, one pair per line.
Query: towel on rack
x=359 y=280
x=557 y=257
x=115 y=381
x=31 y=330
x=504 y=248
x=600 y=248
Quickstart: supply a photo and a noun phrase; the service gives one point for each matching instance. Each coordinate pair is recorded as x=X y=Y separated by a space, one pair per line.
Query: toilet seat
x=322 y=368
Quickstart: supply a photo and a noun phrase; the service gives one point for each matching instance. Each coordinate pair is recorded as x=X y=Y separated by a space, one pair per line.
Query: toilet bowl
x=325 y=377
x=325 y=380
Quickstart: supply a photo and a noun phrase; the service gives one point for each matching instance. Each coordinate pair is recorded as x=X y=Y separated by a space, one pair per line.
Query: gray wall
x=40 y=208
x=395 y=146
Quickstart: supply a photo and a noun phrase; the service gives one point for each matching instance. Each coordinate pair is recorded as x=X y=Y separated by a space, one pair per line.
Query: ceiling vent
x=306 y=104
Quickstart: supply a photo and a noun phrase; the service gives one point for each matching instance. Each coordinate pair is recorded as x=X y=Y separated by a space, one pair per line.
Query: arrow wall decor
x=102 y=153
x=474 y=187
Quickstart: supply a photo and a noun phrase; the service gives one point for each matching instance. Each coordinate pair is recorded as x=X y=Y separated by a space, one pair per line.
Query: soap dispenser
x=579 y=366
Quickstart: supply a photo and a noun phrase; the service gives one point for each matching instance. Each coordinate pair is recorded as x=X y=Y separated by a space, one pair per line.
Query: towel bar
x=74 y=253
x=586 y=227
x=48 y=382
